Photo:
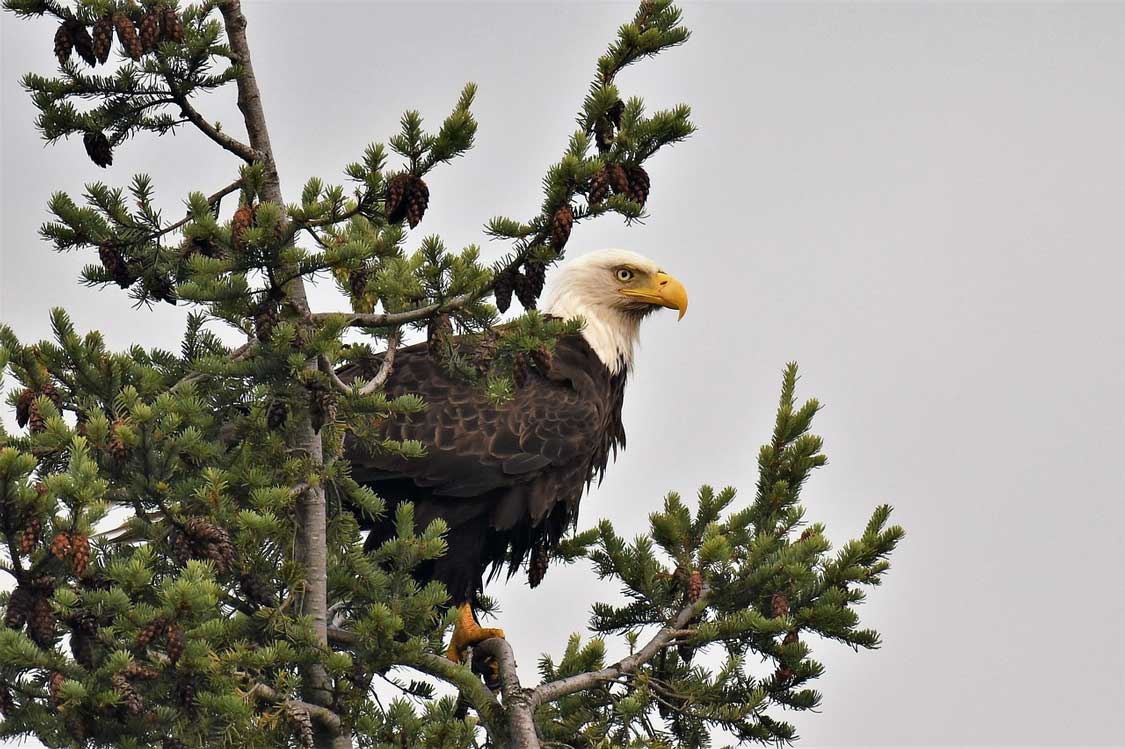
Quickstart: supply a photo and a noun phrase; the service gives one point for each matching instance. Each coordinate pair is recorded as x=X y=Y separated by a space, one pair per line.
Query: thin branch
x=330 y=372
x=384 y=372
x=675 y=628
x=235 y=146
x=237 y=184
x=328 y=719
x=382 y=320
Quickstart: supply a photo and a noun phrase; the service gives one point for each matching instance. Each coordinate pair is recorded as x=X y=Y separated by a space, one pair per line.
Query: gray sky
x=920 y=203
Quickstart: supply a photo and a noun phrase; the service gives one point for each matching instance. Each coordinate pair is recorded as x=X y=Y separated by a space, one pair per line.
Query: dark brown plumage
x=507 y=478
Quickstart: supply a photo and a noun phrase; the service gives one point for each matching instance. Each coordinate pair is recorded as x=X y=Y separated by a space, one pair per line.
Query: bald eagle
x=507 y=479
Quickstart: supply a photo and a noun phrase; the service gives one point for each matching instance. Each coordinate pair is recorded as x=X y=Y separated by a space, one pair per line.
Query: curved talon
x=468 y=633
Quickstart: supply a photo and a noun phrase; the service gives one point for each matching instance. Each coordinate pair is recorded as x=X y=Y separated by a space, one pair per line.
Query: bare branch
x=328 y=719
x=384 y=372
x=237 y=184
x=327 y=368
x=235 y=146
x=674 y=629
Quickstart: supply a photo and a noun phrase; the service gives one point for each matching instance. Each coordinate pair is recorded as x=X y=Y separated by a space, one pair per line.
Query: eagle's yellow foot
x=468 y=633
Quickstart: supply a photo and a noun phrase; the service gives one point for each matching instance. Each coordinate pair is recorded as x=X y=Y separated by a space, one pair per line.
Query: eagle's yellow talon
x=468 y=633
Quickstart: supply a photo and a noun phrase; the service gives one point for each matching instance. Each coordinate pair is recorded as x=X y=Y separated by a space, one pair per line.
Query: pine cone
x=63 y=43
x=161 y=289
x=83 y=44
x=525 y=290
x=54 y=685
x=485 y=352
x=779 y=605
x=150 y=30
x=114 y=263
x=81 y=545
x=790 y=638
x=266 y=318
x=300 y=723
x=603 y=134
x=30 y=536
x=537 y=565
x=41 y=622
x=613 y=114
x=417 y=202
x=805 y=534
x=695 y=586
x=503 y=290
x=202 y=246
x=185 y=693
x=130 y=696
x=82 y=647
x=202 y=539
x=137 y=671
x=276 y=415
x=536 y=273
x=256 y=589
x=176 y=642
x=127 y=35
x=322 y=406
x=98 y=148
x=439 y=334
x=23 y=407
x=19 y=607
x=117 y=446
x=103 y=38
x=151 y=631
x=639 y=184
x=520 y=368
x=173 y=26
x=243 y=220
x=561 y=225
x=394 y=204
x=60 y=545
x=36 y=422
x=599 y=188
x=357 y=281
x=542 y=359
x=618 y=178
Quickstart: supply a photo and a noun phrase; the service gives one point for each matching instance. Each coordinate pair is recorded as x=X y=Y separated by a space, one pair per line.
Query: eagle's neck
x=610 y=332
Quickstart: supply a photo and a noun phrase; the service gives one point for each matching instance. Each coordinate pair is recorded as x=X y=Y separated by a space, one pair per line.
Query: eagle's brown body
x=507 y=479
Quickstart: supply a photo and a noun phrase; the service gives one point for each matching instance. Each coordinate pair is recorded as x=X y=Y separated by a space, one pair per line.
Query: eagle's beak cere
x=665 y=291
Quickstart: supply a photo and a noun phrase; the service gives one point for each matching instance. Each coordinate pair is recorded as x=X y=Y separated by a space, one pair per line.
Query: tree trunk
x=311 y=519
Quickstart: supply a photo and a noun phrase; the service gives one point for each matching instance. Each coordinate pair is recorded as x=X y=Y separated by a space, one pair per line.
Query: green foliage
x=181 y=625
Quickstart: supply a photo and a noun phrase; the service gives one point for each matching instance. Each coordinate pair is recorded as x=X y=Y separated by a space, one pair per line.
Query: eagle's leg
x=467 y=633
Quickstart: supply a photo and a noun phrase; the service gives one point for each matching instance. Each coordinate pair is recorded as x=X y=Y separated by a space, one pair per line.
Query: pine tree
x=236 y=603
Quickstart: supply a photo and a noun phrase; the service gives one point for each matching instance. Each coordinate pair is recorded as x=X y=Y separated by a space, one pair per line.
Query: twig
x=327 y=718
x=327 y=369
x=384 y=372
x=237 y=184
x=675 y=628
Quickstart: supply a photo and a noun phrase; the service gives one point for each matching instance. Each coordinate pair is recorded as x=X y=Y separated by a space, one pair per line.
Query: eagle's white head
x=613 y=290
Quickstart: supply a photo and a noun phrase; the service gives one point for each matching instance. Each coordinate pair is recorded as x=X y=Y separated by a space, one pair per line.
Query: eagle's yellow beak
x=663 y=290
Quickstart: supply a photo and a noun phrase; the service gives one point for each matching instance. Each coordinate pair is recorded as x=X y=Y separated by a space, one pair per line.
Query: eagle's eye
x=624 y=274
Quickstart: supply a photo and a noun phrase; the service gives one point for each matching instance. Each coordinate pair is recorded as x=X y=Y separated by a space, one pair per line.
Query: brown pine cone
x=201 y=246
x=36 y=422
x=83 y=44
x=322 y=406
x=82 y=648
x=520 y=368
x=23 y=407
x=276 y=415
x=176 y=642
x=561 y=224
x=357 y=281
x=20 y=605
x=130 y=696
x=394 y=203
x=243 y=220
x=300 y=723
x=537 y=565
x=81 y=544
x=618 y=179
x=639 y=184
x=137 y=671
x=60 y=545
x=151 y=631
x=536 y=273
x=256 y=589
x=161 y=289
x=41 y=622
x=103 y=38
x=525 y=290
x=599 y=188
x=790 y=638
x=98 y=148
x=30 y=536
x=185 y=693
x=779 y=605
x=117 y=447
x=150 y=30
x=603 y=134
x=114 y=263
x=54 y=685
x=265 y=320
x=202 y=539
x=503 y=290
x=485 y=352
x=805 y=534
x=695 y=586
x=614 y=113
x=439 y=335
x=542 y=358
x=127 y=36
x=173 y=26
x=417 y=201
x=63 y=43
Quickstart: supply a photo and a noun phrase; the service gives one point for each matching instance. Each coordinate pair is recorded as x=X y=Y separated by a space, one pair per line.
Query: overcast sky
x=922 y=204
